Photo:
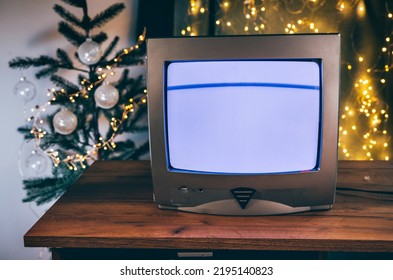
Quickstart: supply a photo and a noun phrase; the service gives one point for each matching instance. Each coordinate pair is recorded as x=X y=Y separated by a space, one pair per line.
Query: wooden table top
x=111 y=206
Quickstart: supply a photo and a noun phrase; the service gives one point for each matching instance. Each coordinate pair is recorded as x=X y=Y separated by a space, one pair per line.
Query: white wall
x=29 y=28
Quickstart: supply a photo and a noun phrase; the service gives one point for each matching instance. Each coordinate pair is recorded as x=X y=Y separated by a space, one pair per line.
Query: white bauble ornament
x=106 y=96
x=35 y=163
x=24 y=90
x=89 y=52
x=65 y=122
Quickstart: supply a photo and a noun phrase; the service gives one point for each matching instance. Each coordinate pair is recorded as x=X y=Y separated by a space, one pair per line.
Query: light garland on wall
x=363 y=132
x=73 y=161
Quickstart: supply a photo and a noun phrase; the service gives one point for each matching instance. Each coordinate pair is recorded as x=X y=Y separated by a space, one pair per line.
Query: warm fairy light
x=341 y=7
x=362 y=120
x=361 y=10
x=72 y=161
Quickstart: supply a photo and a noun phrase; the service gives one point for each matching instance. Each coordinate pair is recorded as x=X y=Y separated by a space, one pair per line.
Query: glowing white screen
x=243 y=116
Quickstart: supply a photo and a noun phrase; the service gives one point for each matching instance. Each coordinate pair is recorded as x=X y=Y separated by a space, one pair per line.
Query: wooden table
x=109 y=213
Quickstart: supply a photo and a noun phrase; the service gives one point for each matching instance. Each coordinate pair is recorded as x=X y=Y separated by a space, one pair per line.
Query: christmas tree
x=81 y=120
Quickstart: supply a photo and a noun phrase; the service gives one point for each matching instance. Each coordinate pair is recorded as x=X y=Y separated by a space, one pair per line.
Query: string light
x=364 y=116
x=74 y=160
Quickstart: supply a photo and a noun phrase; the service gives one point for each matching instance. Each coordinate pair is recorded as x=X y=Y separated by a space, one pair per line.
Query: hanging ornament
x=106 y=96
x=24 y=90
x=65 y=122
x=35 y=163
x=89 y=52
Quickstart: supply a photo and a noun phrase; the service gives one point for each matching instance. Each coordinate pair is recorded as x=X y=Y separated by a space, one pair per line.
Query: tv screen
x=244 y=125
x=243 y=116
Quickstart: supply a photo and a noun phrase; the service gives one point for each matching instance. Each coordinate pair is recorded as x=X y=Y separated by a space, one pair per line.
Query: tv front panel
x=244 y=125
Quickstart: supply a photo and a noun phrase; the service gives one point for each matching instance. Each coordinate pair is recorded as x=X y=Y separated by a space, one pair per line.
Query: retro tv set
x=244 y=125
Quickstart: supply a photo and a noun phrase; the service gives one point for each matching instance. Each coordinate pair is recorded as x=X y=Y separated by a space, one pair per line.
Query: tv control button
x=183 y=189
x=243 y=196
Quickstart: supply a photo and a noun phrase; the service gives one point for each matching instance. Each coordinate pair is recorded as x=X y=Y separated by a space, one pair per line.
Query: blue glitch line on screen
x=212 y=85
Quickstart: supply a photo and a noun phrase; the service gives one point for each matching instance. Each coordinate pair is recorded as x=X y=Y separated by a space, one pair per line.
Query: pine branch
x=27 y=62
x=106 y=15
x=43 y=190
x=137 y=57
x=118 y=153
x=137 y=153
x=65 y=60
x=73 y=36
x=46 y=72
x=99 y=38
x=76 y=3
x=68 y=142
x=66 y=15
x=110 y=48
x=25 y=130
x=138 y=128
x=63 y=83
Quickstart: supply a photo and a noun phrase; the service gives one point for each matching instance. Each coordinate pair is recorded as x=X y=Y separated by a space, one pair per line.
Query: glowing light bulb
x=342 y=7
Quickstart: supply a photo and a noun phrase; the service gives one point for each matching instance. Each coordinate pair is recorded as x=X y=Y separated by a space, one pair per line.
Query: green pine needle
x=76 y=3
x=46 y=72
x=43 y=190
x=65 y=60
x=65 y=84
x=66 y=15
x=27 y=62
x=106 y=15
x=73 y=36
x=25 y=130
x=140 y=151
x=100 y=37
x=110 y=48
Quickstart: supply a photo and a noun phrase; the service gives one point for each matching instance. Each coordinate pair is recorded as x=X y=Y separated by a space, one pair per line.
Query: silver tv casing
x=265 y=194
